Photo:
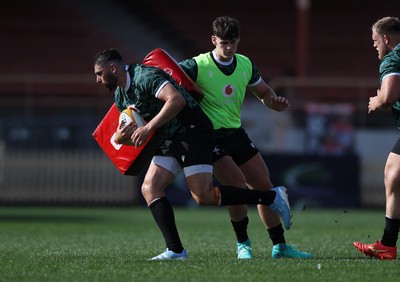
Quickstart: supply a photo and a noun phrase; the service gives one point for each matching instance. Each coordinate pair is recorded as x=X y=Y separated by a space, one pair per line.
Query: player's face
x=225 y=49
x=380 y=44
x=105 y=76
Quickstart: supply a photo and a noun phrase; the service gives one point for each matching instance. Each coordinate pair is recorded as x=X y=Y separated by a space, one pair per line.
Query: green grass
x=112 y=244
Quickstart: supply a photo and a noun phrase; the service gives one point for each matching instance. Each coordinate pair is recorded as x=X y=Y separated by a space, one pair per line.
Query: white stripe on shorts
x=169 y=163
x=194 y=169
x=172 y=165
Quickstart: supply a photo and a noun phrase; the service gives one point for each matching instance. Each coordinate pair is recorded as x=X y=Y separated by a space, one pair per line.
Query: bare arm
x=387 y=95
x=174 y=103
x=268 y=97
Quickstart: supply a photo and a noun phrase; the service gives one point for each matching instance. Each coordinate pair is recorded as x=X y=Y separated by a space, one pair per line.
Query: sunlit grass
x=113 y=244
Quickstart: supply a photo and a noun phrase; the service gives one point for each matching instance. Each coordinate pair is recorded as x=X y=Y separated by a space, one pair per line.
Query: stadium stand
x=49 y=103
x=337 y=31
x=192 y=26
x=54 y=40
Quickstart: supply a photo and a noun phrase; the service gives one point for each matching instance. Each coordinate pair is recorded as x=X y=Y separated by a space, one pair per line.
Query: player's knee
x=150 y=189
x=392 y=174
x=197 y=200
x=146 y=190
x=203 y=198
x=392 y=179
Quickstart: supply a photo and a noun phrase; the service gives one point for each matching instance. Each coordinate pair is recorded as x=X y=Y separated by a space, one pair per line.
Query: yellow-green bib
x=223 y=95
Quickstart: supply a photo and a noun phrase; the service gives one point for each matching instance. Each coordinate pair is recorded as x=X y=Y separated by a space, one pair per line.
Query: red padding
x=128 y=159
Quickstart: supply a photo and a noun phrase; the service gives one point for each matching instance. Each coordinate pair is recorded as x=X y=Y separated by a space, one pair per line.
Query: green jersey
x=224 y=86
x=390 y=65
x=144 y=86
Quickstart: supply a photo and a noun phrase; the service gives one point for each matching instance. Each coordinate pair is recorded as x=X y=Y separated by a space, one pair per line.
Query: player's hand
x=372 y=105
x=373 y=102
x=140 y=136
x=279 y=103
x=124 y=133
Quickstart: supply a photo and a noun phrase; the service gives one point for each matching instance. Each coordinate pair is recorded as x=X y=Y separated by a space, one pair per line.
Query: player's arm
x=268 y=96
x=173 y=104
x=387 y=95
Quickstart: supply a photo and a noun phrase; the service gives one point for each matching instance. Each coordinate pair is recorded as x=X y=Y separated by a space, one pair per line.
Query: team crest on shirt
x=228 y=90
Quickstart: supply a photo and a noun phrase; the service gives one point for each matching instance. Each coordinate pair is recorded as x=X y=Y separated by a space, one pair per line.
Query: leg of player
x=156 y=180
x=386 y=248
x=227 y=173
x=257 y=177
x=256 y=174
x=275 y=198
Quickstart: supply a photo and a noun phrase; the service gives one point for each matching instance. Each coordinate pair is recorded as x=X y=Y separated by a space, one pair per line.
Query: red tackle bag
x=130 y=160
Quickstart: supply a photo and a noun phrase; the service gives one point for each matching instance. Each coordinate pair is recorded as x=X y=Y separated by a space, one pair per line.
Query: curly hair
x=226 y=28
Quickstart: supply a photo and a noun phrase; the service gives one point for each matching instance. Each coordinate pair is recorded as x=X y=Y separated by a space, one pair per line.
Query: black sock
x=276 y=235
x=391 y=232
x=165 y=219
x=240 y=228
x=231 y=195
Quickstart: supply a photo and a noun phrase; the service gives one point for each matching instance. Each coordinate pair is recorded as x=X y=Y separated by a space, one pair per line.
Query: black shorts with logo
x=233 y=142
x=193 y=146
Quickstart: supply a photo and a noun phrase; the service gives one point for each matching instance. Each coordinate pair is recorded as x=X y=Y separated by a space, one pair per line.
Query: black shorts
x=235 y=143
x=396 y=147
x=194 y=146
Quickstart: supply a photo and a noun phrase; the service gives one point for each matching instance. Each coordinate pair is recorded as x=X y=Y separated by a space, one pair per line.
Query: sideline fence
x=64 y=177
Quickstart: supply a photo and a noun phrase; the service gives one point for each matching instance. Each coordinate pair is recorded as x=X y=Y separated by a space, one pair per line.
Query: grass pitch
x=113 y=244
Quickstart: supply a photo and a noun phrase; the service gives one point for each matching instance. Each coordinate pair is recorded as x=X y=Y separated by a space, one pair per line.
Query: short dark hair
x=226 y=28
x=388 y=25
x=107 y=56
